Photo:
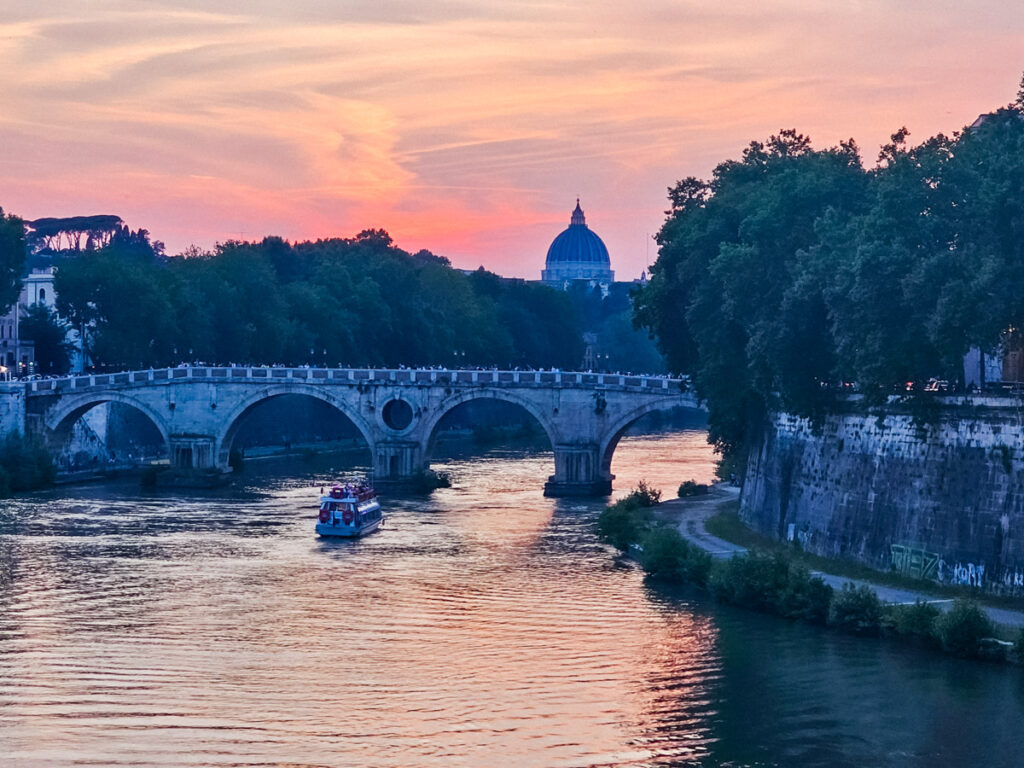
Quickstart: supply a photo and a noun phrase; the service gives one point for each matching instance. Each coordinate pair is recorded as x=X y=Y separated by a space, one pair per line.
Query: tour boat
x=349 y=510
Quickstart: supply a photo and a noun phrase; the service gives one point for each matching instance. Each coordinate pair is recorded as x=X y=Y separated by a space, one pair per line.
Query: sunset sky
x=467 y=128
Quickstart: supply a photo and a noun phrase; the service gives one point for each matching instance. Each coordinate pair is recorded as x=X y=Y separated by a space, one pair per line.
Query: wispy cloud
x=464 y=127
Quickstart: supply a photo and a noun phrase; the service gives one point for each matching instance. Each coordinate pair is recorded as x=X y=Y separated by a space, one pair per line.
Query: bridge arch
x=615 y=431
x=460 y=398
x=226 y=437
x=62 y=418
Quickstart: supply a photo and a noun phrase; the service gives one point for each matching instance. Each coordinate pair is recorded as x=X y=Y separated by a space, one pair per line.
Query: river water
x=485 y=626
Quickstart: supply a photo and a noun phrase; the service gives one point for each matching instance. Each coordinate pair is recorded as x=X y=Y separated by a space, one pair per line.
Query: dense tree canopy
x=355 y=301
x=795 y=270
x=12 y=259
x=49 y=333
x=75 y=233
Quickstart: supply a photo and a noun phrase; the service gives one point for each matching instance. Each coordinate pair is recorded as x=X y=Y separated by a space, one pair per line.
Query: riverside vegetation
x=25 y=465
x=773 y=583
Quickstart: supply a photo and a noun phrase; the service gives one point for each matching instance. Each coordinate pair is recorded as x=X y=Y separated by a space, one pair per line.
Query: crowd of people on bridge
x=306 y=366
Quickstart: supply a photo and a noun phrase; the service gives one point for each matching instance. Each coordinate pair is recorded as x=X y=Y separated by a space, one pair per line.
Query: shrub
x=751 y=581
x=772 y=584
x=1018 y=647
x=994 y=649
x=627 y=520
x=430 y=480
x=915 y=623
x=26 y=463
x=856 y=609
x=644 y=495
x=692 y=488
x=962 y=629
x=667 y=555
x=623 y=523
x=804 y=597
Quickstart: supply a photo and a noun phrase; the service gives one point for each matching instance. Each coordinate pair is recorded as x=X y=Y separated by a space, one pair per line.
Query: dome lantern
x=577 y=220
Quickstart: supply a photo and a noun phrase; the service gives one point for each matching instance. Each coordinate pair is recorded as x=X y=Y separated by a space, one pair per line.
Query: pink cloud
x=461 y=129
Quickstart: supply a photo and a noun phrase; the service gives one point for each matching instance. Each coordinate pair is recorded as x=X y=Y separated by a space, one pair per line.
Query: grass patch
x=726 y=524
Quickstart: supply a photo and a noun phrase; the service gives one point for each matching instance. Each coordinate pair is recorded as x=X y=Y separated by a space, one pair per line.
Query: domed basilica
x=577 y=254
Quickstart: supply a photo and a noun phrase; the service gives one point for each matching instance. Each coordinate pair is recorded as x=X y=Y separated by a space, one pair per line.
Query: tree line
x=794 y=272
x=348 y=301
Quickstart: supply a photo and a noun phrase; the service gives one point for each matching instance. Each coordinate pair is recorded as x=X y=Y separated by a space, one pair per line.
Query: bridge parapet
x=349 y=376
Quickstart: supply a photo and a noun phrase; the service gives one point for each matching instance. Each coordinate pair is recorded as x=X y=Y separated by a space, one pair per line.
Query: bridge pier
x=396 y=461
x=578 y=472
x=192 y=453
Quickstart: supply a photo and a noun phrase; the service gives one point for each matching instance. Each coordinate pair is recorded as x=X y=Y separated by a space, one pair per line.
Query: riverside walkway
x=691 y=515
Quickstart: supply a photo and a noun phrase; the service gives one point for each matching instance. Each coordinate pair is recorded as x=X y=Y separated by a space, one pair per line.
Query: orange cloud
x=465 y=130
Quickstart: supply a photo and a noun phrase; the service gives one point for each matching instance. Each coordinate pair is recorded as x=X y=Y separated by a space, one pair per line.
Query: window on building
x=42 y=294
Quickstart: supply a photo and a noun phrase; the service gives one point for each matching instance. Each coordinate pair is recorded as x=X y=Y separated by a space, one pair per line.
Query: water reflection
x=485 y=625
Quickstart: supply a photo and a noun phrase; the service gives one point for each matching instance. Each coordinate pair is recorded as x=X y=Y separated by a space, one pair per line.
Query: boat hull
x=348 y=531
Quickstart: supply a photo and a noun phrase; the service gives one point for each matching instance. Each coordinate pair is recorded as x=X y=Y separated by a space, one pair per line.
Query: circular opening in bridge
x=397 y=414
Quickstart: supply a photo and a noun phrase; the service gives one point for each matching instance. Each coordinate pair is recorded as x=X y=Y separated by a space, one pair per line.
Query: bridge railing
x=422 y=376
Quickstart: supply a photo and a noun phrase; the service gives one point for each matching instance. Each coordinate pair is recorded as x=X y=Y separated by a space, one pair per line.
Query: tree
x=41 y=325
x=358 y=301
x=737 y=297
x=893 y=263
x=793 y=270
x=49 y=234
x=123 y=302
x=12 y=259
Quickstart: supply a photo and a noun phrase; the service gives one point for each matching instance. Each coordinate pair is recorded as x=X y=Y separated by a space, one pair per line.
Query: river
x=484 y=626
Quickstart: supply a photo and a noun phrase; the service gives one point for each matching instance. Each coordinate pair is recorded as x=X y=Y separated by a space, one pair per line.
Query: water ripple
x=485 y=625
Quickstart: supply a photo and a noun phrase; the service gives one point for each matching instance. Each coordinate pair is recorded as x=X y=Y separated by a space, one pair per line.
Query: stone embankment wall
x=12 y=408
x=943 y=503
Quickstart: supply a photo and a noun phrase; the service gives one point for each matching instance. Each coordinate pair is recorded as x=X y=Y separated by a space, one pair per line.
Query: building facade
x=17 y=355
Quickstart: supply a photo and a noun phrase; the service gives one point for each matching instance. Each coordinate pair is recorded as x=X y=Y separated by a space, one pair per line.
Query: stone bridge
x=198 y=410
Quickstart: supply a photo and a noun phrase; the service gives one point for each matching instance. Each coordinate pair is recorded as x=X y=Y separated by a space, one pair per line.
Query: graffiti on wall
x=915 y=562
x=918 y=563
x=1002 y=581
x=963 y=574
x=1013 y=579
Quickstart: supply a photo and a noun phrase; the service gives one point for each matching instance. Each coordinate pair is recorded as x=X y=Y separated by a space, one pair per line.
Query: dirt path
x=690 y=515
